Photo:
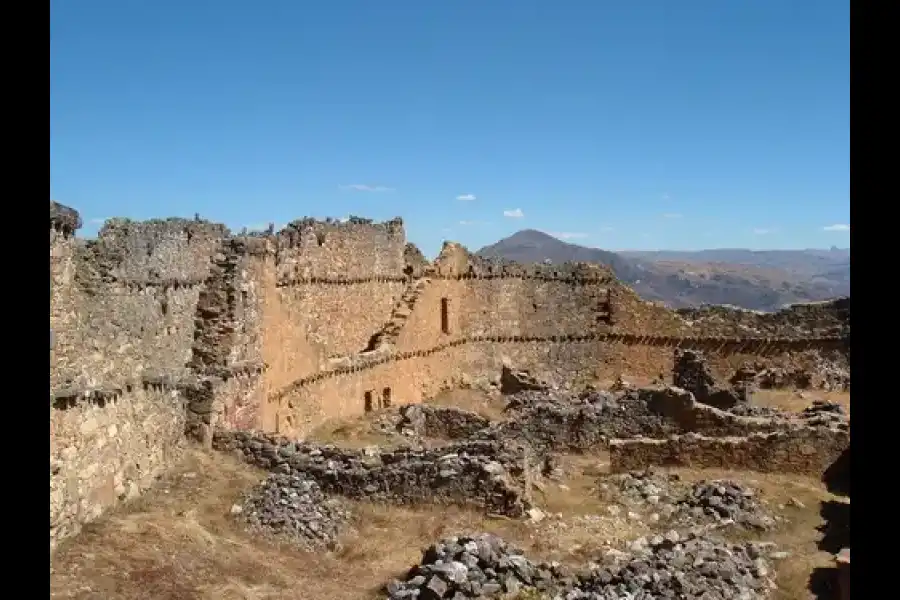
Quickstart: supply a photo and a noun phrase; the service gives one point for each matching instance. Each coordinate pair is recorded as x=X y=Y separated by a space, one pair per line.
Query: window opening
x=445 y=316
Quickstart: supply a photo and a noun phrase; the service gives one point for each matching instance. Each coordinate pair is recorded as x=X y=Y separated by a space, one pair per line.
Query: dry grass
x=179 y=542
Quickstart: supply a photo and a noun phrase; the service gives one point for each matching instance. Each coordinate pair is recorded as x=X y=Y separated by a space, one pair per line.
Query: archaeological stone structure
x=175 y=331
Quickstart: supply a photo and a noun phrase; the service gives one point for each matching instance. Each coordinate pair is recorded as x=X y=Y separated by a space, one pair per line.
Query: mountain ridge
x=753 y=279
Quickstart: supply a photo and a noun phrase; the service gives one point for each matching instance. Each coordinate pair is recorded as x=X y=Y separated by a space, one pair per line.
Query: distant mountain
x=756 y=280
x=807 y=262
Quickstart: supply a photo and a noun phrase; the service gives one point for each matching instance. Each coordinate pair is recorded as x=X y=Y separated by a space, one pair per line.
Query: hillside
x=759 y=280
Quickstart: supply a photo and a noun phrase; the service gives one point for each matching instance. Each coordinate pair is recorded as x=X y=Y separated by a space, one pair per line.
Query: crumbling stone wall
x=327 y=250
x=801 y=450
x=124 y=303
x=108 y=445
x=155 y=333
x=798 y=320
x=486 y=473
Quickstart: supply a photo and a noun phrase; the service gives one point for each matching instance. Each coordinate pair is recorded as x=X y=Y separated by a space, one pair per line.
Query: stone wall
x=108 y=446
x=488 y=474
x=279 y=331
x=125 y=303
x=801 y=450
x=342 y=389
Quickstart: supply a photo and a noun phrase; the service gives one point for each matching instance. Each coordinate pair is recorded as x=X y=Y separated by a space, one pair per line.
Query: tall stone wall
x=124 y=304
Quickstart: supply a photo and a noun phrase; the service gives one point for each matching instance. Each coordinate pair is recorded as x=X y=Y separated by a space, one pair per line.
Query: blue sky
x=622 y=125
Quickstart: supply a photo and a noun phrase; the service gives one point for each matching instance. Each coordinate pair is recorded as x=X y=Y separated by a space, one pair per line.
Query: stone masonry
x=203 y=331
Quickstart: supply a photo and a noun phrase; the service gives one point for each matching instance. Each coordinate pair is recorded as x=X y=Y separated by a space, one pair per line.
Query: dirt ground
x=180 y=542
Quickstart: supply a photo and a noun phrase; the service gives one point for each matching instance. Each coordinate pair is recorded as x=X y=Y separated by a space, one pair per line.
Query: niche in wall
x=386 y=398
x=368 y=401
x=445 y=316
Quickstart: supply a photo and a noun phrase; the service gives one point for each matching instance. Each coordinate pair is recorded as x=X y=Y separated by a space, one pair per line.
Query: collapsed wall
x=486 y=474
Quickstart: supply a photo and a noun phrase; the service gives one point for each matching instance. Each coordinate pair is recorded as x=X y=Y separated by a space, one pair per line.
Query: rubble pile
x=512 y=381
x=724 y=502
x=670 y=566
x=480 y=566
x=821 y=374
x=750 y=410
x=289 y=506
x=647 y=487
x=439 y=422
x=582 y=423
x=691 y=372
x=673 y=501
x=828 y=414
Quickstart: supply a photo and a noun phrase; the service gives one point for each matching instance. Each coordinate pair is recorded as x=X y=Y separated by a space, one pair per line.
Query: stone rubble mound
x=819 y=407
x=717 y=502
x=581 y=423
x=643 y=487
x=439 y=422
x=512 y=381
x=685 y=567
x=480 y=566
x=670 y=566
x=751 y=410
x=823 y=412
x=294 y=508
x=725 y=501
x=692 y=373
x=563 y=398
x=821 y=374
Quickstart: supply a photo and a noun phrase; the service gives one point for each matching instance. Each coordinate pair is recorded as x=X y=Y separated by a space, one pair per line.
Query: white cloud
x=672 y=215
x=360 y=187
x=566 y=235
x=666 y=196
x=762 y=231
x=837 y=227
x=515 y=213
x=465 y=223
x=466 y=197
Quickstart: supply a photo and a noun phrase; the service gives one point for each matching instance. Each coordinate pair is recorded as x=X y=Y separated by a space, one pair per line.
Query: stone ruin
x=173 y=332
x=474 y=472
x=692 y=373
